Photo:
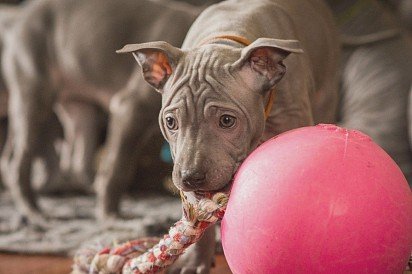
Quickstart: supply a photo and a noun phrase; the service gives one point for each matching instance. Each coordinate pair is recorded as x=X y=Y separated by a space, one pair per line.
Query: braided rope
x=150 y=255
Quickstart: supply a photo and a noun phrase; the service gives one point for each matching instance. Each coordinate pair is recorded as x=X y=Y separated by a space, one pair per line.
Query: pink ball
x=319 y=199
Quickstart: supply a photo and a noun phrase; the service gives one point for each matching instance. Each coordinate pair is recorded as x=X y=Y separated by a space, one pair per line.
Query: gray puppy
x=218 y=87
x=61 y=56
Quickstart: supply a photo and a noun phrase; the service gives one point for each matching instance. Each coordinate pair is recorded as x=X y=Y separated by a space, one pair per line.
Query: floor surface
x=23 y=264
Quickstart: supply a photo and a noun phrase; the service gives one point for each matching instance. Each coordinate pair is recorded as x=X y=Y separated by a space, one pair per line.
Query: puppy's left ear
x=157 y=59
x=260 y=64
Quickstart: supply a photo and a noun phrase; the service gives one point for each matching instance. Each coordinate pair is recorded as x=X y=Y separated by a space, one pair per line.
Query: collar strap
x=269 y=103
x=245 y=42
x=239 y=39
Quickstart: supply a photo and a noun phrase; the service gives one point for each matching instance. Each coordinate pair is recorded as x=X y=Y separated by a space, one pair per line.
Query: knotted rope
x=150 y=255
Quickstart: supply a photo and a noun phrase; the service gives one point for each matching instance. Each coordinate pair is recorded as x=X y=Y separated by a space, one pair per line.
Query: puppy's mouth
x=199 y=194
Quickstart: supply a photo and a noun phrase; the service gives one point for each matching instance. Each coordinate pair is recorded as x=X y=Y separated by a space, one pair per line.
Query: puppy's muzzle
x=193 y=180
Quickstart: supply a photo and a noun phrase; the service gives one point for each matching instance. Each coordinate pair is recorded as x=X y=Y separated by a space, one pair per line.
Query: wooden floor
x=19 y=264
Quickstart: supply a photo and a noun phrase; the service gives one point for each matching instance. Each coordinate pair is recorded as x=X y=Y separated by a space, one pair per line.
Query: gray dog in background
x=376 y=78
x=61 y=57
x=403 y=9
x=8 y=14
x=46 y=170
x=218 y=87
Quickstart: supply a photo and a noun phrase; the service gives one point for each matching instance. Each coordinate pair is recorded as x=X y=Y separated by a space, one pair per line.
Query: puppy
x=223 y=92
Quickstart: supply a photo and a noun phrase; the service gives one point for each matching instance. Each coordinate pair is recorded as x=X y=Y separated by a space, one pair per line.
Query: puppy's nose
x=193 y=179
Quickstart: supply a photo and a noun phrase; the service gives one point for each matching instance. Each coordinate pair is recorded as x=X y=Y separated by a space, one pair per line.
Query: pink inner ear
x=261 y=52
x=267 y=61
x=264 y=61
x=159 y=68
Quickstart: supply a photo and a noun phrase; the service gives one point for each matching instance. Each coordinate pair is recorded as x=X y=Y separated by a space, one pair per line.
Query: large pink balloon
x=318 y=199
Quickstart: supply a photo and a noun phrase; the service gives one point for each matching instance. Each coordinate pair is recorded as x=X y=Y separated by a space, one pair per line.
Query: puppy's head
x=213 y=100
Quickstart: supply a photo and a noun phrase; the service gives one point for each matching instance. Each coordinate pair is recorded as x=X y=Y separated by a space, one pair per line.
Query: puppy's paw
x=104 y=216
x=38 y=221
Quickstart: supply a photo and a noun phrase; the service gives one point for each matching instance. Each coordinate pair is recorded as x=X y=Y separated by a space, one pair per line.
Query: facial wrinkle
x=220 y=88
x=203 y=96
x=238 y=153
x=179 y=84
x=205 y=65
x=190 y=107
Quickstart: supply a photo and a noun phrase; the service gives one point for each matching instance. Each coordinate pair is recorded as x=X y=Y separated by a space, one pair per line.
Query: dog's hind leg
x=46 y=173
x=26 y=70
x=83 y=125
x=132 y=123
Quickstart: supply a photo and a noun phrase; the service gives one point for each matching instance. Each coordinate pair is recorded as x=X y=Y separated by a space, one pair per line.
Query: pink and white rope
x=150 y=255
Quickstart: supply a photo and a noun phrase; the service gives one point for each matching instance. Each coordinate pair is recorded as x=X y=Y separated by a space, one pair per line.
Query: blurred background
x=88 y=155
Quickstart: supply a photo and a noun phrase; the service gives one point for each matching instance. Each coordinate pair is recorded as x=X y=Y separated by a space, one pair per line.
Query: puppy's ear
x=260 y=64
x=157 y=59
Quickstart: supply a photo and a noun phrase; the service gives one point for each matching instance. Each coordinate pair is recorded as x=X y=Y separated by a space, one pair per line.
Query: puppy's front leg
x=199 y=257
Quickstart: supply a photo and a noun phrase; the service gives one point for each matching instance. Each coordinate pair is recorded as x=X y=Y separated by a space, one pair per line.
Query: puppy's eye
x=227 y=121
x=171 y=123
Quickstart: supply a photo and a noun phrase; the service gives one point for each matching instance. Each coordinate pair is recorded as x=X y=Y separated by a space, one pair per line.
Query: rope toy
x=150 y=255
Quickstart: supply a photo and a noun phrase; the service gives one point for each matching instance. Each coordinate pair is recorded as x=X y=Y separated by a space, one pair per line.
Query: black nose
x=192 y=179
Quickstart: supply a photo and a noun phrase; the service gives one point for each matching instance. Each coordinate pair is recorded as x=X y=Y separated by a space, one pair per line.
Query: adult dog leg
x=46 y=173
x=30 y=110
x=132 y=123
x=20 y=151
x=83 y=124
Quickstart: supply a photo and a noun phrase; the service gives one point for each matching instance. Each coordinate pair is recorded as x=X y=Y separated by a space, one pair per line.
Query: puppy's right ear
x=157 y=59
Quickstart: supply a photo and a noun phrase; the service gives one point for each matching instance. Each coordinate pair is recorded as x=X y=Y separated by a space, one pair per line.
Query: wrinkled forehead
x=201 y=96
x=205 y=74
x=204 y=66
x=209 y=56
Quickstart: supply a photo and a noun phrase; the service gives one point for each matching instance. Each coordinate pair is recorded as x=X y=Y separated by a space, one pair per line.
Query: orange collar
x=239 y=39
x=269 y=103
x=245 y=42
